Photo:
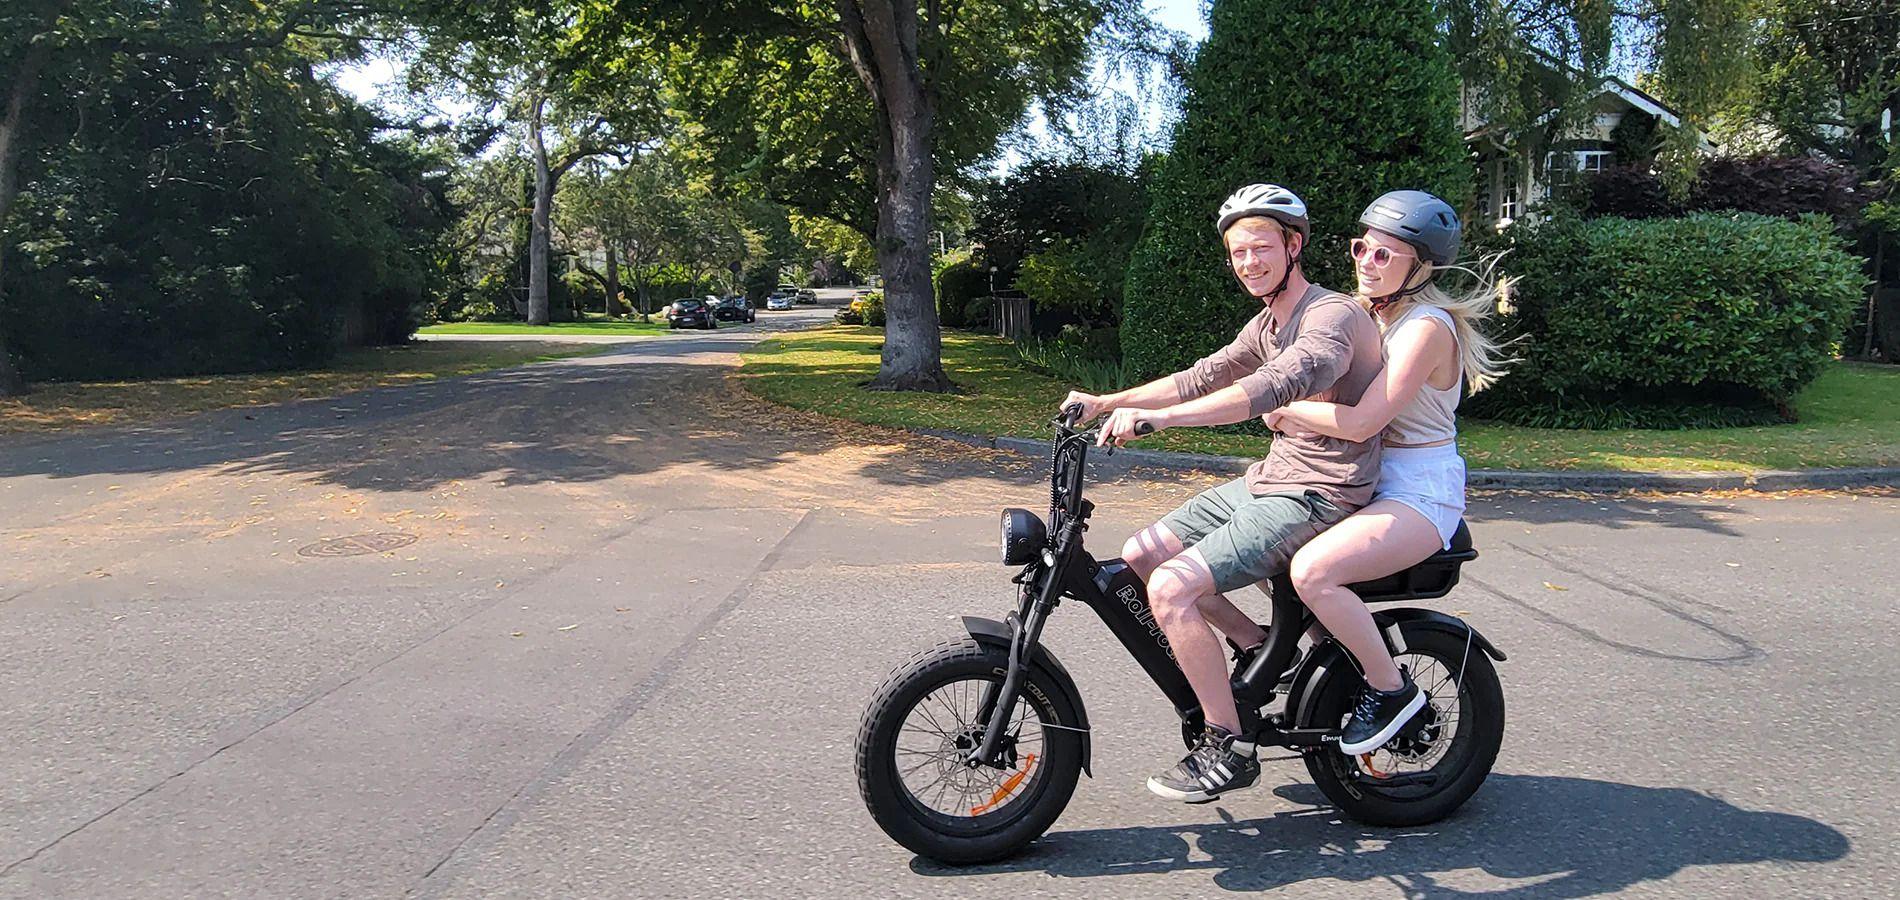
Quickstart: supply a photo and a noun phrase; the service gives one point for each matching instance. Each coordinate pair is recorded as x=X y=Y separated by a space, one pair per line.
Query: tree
x=1532 y=68
x=1830 y=86
x=853 y=110
x=507 y=59
x=1368 y=104
x=155 y=160
x=55 y=51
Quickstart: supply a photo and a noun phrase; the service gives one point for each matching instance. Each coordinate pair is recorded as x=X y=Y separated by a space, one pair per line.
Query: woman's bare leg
x=1372 y=543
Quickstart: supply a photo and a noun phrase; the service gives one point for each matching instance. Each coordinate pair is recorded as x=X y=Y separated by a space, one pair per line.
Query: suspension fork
x=1039 y=600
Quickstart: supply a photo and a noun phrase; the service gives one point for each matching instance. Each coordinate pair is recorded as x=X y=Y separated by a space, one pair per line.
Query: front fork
x=1039 y=596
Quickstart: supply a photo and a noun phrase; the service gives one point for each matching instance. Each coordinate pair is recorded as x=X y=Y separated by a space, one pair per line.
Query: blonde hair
x=1482 y=358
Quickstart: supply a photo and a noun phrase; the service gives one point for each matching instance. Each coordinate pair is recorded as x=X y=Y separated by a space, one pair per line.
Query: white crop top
x=1432 y=416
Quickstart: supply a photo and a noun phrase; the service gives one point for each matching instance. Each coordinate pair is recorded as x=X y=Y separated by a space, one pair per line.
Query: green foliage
x=584 y=293
x=185 y=218
x=1061 y=232
x=1075 y=279
x=872 y=309
x=1367 y=104
x=1700 y=320
x=1044 y=201
x=759 y=281
x=1829 y=69
x=959 y=284
x=783 y=109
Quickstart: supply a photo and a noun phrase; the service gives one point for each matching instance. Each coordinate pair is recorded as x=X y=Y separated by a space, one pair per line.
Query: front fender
x=1330 y=658
x=998 y=634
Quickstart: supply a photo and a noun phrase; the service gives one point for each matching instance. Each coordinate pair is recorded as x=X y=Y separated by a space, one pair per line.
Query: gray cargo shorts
x=1247 y=537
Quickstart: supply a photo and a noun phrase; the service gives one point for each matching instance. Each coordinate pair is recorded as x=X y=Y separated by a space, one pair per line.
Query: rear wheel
x=921 y=725
x=1438 y=763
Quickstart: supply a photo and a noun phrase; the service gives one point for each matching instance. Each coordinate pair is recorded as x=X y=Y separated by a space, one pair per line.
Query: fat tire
x=1484 y=717
x=883 y=791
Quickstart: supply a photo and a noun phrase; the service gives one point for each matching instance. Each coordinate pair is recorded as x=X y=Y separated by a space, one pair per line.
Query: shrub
x=1782 y=186
x=958 y=284
x=1339 y=102
x=1670 y=322
x=583 y=292
x=1086 y=358
x=848 y=316
x=872 y=308
x=1075 y=279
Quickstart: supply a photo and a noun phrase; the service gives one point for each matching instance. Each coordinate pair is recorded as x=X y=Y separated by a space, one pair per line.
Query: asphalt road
x=604 y=629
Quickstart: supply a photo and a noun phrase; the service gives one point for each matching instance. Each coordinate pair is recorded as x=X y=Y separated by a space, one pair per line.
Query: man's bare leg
x=1174 y=592
x=1156 y=544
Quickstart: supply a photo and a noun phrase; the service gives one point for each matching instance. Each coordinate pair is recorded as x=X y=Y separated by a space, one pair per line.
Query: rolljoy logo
x=1132 y=599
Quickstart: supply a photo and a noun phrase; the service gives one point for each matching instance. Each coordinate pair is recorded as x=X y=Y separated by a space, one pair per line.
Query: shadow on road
x=1564 y=837
x=572 y=421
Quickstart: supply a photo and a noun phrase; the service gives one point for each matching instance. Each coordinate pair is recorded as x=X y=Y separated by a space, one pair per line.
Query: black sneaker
x=1221 y=763
x=1381 y=715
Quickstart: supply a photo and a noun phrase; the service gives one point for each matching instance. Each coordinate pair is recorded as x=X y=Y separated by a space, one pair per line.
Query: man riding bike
x=1307 y=342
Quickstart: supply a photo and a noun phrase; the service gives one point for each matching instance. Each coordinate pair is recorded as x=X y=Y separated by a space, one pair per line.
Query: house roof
x=1614 y=87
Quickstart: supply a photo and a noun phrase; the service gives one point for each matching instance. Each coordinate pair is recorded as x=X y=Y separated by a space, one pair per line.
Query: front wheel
x=921 y=725
x=1432 y=770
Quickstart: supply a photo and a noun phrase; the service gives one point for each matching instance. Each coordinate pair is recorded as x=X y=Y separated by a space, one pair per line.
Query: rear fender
x=1329 y=659
x=998 y=634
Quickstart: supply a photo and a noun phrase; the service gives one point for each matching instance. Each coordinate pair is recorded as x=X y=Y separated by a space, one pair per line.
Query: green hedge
x=1340 y=102
x=957 y=285
x=1697 y=320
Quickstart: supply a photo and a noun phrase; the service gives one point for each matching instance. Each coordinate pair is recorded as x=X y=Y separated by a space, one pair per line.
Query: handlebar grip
x=1144 y=427
x=1072 y=412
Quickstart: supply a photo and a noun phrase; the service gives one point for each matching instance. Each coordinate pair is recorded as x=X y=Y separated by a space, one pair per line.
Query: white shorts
x=1428 y=479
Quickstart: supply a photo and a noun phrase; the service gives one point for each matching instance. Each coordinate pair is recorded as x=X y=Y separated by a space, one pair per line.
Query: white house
x=1510 y=184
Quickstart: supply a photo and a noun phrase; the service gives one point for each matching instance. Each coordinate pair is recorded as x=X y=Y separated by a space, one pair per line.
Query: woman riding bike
x=1433 y=352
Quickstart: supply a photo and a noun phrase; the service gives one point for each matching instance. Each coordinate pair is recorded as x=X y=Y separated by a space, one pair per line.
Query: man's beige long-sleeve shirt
x=1329 y=350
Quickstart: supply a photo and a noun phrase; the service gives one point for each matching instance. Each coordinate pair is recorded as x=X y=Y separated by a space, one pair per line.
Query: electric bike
x=971 y=748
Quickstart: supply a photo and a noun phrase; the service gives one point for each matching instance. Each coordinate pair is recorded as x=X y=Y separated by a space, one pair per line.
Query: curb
x=1497 y=479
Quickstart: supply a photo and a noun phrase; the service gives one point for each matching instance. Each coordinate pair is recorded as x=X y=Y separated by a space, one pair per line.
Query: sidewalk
x=1596 y=482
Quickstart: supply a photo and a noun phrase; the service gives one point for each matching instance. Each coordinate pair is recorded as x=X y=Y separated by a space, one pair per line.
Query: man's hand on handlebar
x=1092 y=405
x=1124 y=425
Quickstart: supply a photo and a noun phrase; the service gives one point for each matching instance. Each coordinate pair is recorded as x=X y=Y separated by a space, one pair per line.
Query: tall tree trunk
x=1873 y=298
x=881 y=43
x=543 y=208
x=639 y=265
x=614 y=306
x=25 y=82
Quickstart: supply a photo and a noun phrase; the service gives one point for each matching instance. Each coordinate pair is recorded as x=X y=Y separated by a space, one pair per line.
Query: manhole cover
x=359 y=544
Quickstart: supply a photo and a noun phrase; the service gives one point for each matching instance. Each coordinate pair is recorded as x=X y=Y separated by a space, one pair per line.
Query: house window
x=1510 y=201
x=1563 y=166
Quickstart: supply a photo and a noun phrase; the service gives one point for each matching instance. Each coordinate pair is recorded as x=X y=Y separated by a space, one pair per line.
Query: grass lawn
x=55 y=407
x=594 y=324
x=1850 y=415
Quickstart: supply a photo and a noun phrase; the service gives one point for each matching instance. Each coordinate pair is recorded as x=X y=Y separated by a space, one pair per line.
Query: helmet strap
x=1292 y=259
x=1404 y=292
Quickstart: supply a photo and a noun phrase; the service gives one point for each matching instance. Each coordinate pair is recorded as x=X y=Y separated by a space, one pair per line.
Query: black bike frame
x=1119 y=596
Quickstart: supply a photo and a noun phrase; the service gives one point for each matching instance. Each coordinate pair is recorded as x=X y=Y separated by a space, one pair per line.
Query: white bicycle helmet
x=1270 y=200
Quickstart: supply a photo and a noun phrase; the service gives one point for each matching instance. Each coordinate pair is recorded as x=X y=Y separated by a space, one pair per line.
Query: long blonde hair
x=1480 y=357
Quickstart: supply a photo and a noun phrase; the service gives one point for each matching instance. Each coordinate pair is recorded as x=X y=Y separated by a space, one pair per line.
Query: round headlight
x=1023 y=536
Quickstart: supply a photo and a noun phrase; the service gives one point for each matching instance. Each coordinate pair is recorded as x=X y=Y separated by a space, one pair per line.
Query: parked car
x=778 y=302
x=807 y=296
x=691 y=312
x=735 y=309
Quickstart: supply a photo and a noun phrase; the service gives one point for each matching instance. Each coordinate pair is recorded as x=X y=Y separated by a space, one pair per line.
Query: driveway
x=553 y=632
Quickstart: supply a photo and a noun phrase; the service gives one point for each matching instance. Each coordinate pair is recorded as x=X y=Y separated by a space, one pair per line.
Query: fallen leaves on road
x=1555 y=587
x=568 y=627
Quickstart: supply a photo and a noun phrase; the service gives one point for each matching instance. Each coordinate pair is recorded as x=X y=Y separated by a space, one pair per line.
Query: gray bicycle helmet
x=1420 y=219
x=1270 y=200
